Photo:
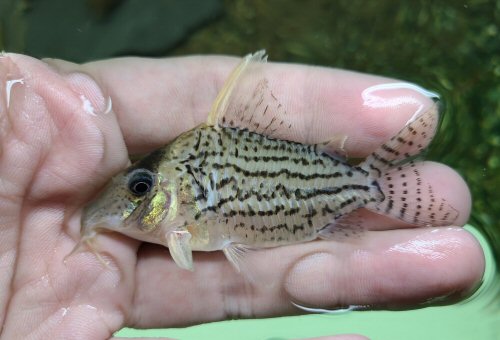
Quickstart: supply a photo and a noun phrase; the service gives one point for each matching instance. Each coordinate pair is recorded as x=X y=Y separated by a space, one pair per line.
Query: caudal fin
x=406 y=195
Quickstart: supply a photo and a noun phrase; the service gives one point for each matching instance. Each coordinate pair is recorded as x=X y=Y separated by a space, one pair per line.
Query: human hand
x=58 y=147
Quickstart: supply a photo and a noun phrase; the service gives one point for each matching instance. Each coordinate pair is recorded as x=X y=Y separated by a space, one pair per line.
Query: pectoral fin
x=180 y=249
x=346 y=227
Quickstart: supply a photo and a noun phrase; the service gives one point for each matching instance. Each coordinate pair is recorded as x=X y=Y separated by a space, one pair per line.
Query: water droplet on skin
x=87 y=105
x=89 y=92
x=89 y=108
x=64 y=311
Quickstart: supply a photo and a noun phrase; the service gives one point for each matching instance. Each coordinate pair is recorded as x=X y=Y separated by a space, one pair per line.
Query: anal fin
x=346 y=226
x=235 y=253
x=244 y=260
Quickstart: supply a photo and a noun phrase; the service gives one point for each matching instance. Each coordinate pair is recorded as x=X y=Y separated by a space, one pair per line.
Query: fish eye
x=140 y=182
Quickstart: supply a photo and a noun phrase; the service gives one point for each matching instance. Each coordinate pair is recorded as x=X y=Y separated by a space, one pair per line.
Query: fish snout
x=96 y=220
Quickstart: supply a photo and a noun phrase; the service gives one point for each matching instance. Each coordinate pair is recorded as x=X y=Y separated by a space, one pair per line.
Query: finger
x=158 y=99
x=396 y=269
x=383 y=269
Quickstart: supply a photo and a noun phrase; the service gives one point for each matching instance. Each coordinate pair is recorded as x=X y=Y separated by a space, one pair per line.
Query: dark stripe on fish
x=269 y=174
x=299 y=194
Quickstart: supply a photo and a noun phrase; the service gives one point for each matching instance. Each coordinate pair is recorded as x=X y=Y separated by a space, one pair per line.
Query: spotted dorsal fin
x=247 y=102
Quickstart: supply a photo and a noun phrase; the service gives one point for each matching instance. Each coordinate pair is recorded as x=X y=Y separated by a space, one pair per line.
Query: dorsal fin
x=247 y=102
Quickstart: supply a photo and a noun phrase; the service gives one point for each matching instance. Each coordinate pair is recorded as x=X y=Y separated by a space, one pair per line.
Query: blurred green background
x=451 y=47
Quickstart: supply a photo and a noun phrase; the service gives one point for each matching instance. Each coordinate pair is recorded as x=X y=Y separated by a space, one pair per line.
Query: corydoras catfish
x=234 y=184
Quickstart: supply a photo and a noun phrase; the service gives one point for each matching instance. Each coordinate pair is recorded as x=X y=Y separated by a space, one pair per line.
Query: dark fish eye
x=140 y=182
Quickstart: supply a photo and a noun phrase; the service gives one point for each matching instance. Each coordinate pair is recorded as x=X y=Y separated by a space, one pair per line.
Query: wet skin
x=56 y=152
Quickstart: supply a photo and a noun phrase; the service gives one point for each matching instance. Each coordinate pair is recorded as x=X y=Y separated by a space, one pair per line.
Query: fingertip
x=83 y=83
x=450 y=262
x=385 y=109
x=313 y=271
x=388 y=105
x=470 y=263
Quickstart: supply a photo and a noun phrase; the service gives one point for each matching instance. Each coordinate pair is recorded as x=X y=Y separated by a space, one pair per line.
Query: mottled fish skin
x=248 y=188
x=234 y=183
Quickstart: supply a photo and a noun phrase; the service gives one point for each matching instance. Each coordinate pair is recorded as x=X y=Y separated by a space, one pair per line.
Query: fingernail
x=391 y=94
x=400 y=96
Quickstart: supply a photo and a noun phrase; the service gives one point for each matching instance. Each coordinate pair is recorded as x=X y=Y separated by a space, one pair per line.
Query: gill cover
x=155 y=211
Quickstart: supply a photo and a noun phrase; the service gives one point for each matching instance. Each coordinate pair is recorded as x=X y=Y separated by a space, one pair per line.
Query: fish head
x=134 y=203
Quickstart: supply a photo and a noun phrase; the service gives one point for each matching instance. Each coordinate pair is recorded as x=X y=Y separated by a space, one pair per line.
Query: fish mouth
x=92 y=225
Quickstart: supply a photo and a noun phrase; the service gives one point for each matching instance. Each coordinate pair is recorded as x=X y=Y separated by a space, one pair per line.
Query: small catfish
x=235 y=183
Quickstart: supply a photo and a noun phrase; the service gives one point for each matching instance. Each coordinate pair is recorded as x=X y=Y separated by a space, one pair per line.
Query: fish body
x=238 y=186
x=234 y=186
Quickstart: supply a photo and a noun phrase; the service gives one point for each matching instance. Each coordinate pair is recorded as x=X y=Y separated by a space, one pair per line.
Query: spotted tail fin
x=409 y=142
x=406 y=196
